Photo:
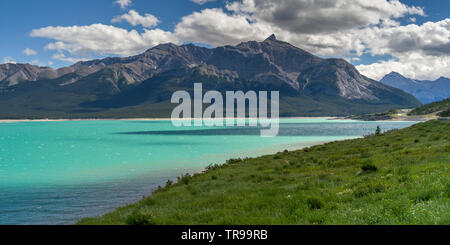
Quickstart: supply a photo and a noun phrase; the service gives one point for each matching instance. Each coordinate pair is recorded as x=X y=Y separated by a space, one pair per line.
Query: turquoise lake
x=60 y=172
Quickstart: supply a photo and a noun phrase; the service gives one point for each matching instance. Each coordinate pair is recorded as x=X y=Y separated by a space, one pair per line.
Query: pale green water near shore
x=58 y=172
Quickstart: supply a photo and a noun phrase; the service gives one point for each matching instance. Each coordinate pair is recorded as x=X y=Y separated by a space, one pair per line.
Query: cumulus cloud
x=134 y=19
x=323 y=16
x=37 y=62
x=419 y=51
x=29 y=52
x=413 y=66
x=102 y=39
x=63 y=57
x=214 y=27
x=8 y=59
x=431 y=38
x=123 y=3
x=342 y=28
x=201 y=2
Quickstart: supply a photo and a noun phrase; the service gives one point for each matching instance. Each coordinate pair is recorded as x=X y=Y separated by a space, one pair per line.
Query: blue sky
x=408 y=36
x=37 y=14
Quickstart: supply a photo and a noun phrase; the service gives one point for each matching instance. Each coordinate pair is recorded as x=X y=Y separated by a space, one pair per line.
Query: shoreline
x=285 y=159
x=144 y=119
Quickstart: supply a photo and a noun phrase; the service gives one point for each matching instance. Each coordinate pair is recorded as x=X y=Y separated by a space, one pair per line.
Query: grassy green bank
x=435 y=107
x=400 y=177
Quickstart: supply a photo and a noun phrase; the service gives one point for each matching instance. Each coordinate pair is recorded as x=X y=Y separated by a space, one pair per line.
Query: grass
x=399 y=177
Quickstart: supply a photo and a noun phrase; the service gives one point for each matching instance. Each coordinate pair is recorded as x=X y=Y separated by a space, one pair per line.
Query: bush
x=234 y=160
x=368 y=167
x=315 y=203
x=445 y=113
x=184 y=179
x=213 y=167
x=169 y=183
x=368 y=187
x=139 y=219
x=378 y=131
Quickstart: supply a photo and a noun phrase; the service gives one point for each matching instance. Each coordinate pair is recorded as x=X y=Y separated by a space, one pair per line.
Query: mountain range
x=142 y=85
x=425 y=91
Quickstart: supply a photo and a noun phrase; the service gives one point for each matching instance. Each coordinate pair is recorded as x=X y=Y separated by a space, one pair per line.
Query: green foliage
x=410 y=184
x=137 y=218
x=169 y=183
x=445 y=113
x=184 y=179
x=368 y=167
x=443 y=105
x=378 y=131
x=234 y=160
x=315 y=202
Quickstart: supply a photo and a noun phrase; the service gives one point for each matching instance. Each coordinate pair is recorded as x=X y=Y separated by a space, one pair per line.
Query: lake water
x=60 y=172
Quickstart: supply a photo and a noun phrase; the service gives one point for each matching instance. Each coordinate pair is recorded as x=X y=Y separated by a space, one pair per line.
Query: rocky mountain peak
x=394 y=74
x=271 y=38
x=425 y=91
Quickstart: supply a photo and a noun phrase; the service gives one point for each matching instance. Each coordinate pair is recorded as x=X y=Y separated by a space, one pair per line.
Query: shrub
x=436 y=137
x=445 y=113
x=169 y=183
x=368 y=167
x=368 y=187
x=234 y=160
x=213 y=167
x=378 y=131
x=184 y=179
x=158 y=189
x=315 y=203
x=137 y=218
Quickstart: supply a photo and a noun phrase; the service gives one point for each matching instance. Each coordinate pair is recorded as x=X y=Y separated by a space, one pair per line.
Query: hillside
x=435 y=107
x=445 y=113
x=141 y=86
x=400 y=177
x=425 y=91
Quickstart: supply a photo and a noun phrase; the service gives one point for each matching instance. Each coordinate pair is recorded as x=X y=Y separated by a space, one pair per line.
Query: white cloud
x=412 y=66
x=8 y=59
x=431 y=38
x=201 y=2
x=123 y=3
x=102 y=39
x=134 y=18
x=62 y=57
x=323 y=16
x=214 y=27
x=341 y=28
x=29 y=52
x=428 y=45
x=419 y=51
